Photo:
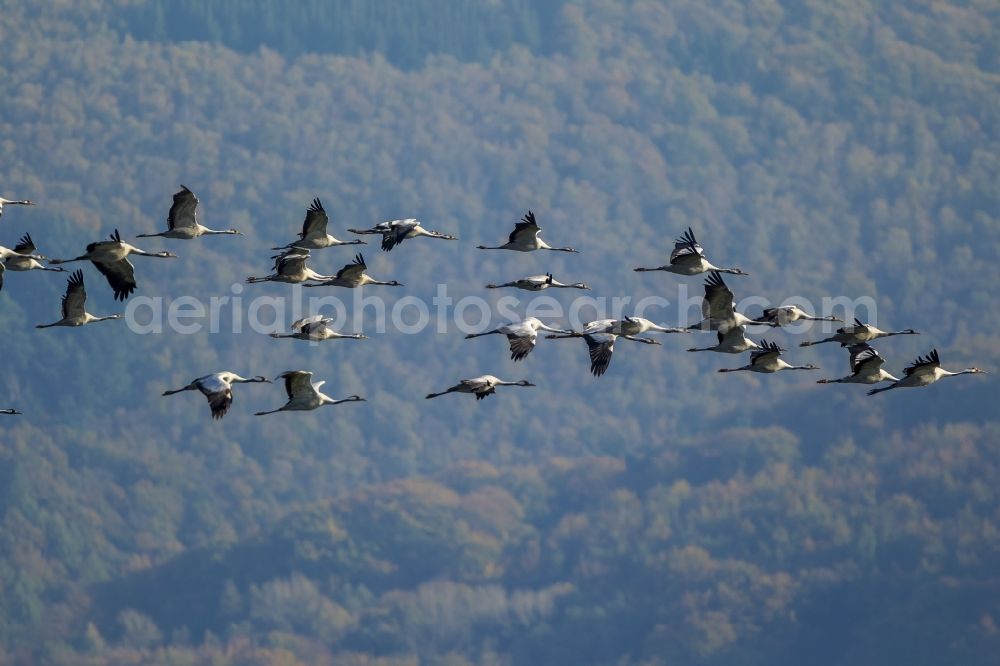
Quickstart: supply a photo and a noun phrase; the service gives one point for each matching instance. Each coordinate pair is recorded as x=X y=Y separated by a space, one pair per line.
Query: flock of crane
x=111 y=258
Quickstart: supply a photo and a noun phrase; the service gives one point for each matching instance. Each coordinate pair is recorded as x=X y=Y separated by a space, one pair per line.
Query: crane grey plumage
x=6 y=254
x=481 y=387
x=290 y=267
x=688 y=258
x=866 y=367
x=218 y=389
x=304 y=395
x=74 y=303
x=110 y=257
x=600 y=338
x=538 y=283
x=25 y=245
x=925 y=371
x=522 y=336
x=314 y=234
x=316 y=329
x=395 y=232
x=25 y=258
x=525 y=238
x=787 y=314
x=182 y=220
x=631 y=326
x=353 y=275
x=859 y=332
x=768 y=359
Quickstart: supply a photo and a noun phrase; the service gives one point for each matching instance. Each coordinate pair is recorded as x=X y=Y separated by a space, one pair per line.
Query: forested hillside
x=403 y=32
x=663 y=513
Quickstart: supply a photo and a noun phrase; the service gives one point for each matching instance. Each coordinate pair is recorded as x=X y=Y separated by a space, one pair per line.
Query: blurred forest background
x=663 y=514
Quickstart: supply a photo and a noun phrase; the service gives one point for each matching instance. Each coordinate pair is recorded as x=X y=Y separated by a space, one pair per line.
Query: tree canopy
x=660 y=514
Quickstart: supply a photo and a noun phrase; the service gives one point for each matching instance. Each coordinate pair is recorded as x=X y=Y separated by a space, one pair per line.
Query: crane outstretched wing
x=862 y=355
x=75 y=300
x=601 y=347
x=306 y=321
x=25 y=245
x=718 y=301
x=396 y=231
x=219 y=394
x=685 y=246
x=768 y=351
x=297 y=383
x=184 y=211
x=291 y=264
x=316 y=220
x=521 y=345
x=923 y=363
x=354 y=269
x=526 y=227
x=120 y=275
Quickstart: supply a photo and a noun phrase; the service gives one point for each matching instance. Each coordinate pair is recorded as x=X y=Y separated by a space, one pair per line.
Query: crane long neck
x=420 y=231
x=67 y=261
x=327 y=400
